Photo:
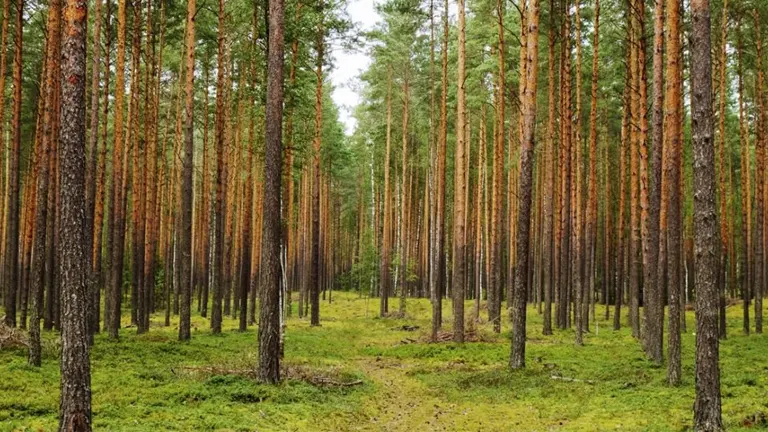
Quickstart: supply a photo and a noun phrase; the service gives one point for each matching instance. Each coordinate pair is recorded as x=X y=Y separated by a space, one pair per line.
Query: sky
x=348 y=65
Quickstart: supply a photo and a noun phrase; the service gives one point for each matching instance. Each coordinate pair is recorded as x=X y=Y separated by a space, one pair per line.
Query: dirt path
x=402 y=403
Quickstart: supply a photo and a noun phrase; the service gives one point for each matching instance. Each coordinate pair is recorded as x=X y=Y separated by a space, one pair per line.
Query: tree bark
x=12 y=202
x=185 y=242
x=707 y=410
x=116 y=219
x=316 y=277
x=269 y=318
x=672 y=163
x=75 y=408
x=460 y=187
x=221 y=184
x=528 y=143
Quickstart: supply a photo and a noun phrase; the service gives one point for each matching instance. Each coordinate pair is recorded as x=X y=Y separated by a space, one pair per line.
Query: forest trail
x=401 y=403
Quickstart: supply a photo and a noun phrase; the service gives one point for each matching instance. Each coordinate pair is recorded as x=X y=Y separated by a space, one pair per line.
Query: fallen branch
x=295 y=373
x=12 y=337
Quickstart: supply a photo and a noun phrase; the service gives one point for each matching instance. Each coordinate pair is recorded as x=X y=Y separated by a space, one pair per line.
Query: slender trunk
x=116 y=222
x=654 y=310
x=221 y=184
x=269 y=319
x=494 y=288
x=185 y=242
x=460 y=188
x=12 y=211
x=673 y=156
x=760 y=151
x=746 y=199
x=316 y=276
x=528 y=143
x=591 y=237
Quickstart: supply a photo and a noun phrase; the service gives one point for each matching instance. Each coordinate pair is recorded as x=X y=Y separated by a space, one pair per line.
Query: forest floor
x=151 y=382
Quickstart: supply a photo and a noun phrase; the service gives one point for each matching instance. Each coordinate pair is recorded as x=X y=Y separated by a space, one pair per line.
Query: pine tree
x=75 y=408
x=269 y=319
x=707 y=410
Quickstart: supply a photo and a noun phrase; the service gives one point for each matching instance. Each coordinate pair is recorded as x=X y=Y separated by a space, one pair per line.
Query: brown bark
x=437 y=276
x=185 y=240
x=404 y=200
x=746 y=198
x=591 y=235
x=634 y=165
x=221 y=184
x=495 y=285
x=3 y=67
x=528 y=143
x=290 y=235
x=316 y=277
x=460 y=187
x=673 y=156
x=759 y=277
x=116 y=219
x=722 y=179
x=269 y=322
x=707 y=411
x=549 y=187
x=12 y=202
x=101 y=187
x=75 y=407
x=654 y=310
x=565 y=180
x=620 y=280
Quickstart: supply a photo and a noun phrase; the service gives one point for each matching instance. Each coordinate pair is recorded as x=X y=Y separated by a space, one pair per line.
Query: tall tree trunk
x=528 y=143
x=707 y=411
x=316 y=276
x=460 y=187
x=12 y=211
x=437 y=278
x=494 y=288
x=565 y=175
x=620 y=279
x=290 y=236
x=101 y=187
x=185 y=242
x=673 y=155
x=221 y=184
x=746 y=198
x=634 y=165
x=759 y=277
x=269 y=319
x=591 y=237
x=150 y=173
x=75 y=408
x=93 y=152
x=654 y=310
x=116 y=222
x=723 y=274
x=3 y=161
x=41 y=208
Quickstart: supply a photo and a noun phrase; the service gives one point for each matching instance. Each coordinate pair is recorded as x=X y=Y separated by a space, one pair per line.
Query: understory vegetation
x=361 y=372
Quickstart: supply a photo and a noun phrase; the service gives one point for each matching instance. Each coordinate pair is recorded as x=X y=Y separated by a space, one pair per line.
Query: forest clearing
x=141 y=384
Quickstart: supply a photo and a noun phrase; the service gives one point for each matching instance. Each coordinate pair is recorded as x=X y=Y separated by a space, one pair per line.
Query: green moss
x=147 y=382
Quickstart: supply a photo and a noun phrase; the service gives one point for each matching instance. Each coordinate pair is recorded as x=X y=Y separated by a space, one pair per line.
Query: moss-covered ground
x=152 y=382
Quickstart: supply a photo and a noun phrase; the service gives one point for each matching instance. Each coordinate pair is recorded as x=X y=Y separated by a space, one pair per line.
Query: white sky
x=349 y=65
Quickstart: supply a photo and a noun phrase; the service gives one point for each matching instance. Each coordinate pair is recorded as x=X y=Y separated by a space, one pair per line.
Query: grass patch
x=153 y=382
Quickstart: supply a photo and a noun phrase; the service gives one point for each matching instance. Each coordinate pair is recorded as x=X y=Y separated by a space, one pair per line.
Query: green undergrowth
x=398 y=381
